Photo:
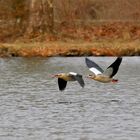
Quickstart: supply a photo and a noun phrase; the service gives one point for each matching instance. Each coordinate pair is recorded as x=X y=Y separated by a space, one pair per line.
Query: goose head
x=59 y=75
x=91 y=76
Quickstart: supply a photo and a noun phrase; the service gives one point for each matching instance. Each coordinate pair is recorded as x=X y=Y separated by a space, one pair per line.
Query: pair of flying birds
x=98 y=74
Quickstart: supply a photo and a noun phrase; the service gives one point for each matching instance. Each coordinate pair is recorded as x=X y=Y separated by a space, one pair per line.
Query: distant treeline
x=32 y=17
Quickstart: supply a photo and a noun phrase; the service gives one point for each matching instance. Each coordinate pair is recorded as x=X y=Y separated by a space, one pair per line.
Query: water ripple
x=32 y=107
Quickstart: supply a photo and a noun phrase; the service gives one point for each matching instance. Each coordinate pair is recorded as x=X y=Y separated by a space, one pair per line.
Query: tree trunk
x=40 y=17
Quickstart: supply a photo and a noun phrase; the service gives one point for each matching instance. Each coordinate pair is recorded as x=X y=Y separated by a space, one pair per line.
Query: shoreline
x=71 y=48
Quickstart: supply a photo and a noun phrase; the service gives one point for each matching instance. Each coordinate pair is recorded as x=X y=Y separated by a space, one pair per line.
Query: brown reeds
x=97 y=48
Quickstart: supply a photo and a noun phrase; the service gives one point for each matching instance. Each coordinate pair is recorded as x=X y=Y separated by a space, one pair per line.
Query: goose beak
x=54 y=76
x=88 y=76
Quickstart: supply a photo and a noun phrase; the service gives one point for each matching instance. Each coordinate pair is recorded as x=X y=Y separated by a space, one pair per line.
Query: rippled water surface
x=32 y=107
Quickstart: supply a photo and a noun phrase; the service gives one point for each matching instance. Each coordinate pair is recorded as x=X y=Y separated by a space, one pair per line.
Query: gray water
x=32 y=107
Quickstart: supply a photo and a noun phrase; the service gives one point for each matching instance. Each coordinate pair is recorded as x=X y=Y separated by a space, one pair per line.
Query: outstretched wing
x=93 y=67
x=77 y=77
x=80 y=80
x=62 y=84
x=113 y=68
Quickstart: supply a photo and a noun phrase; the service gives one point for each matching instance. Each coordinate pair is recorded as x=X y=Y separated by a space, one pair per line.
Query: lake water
x=32 y=107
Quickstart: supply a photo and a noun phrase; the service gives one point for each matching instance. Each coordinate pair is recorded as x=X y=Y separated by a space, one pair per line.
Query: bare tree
x=40 y=17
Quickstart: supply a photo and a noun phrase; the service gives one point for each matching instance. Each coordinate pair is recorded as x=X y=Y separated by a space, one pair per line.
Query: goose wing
x=93 y=67
x=62 y=84
x=113 y=68
x=78 y=77
x=80 y=80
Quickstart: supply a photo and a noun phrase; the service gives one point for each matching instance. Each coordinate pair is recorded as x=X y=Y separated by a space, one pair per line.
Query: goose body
x=63 y=78
x=103 y=76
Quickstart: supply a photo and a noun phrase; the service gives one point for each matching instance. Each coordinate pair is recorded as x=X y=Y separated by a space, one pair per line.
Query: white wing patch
x=95 y=71
x=73 y=73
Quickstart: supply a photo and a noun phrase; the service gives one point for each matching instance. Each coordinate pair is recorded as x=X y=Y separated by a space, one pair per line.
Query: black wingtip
x=88 y=62
x=115 y=65
x=62 y=84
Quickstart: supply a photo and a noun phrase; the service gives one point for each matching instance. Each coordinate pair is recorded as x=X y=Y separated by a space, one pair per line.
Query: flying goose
x=63 y=78
x=103 y=76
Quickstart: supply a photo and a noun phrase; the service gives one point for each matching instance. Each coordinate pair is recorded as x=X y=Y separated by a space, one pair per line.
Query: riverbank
x=106 y=39
x=58 y=48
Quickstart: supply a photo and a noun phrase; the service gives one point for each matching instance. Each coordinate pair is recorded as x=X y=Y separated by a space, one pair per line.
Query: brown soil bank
x=97 y=48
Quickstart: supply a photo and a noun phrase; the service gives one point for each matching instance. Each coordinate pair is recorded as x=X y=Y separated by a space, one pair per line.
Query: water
x=32 y=107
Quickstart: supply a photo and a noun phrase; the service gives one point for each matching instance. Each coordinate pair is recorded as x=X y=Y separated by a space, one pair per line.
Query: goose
x=103 y=76
x=63 y=78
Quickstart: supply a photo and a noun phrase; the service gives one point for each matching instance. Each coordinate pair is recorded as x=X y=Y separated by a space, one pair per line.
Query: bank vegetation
x=69 y=27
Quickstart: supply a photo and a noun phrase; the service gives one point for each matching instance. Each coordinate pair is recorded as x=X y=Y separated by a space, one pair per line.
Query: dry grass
x=98 y=48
